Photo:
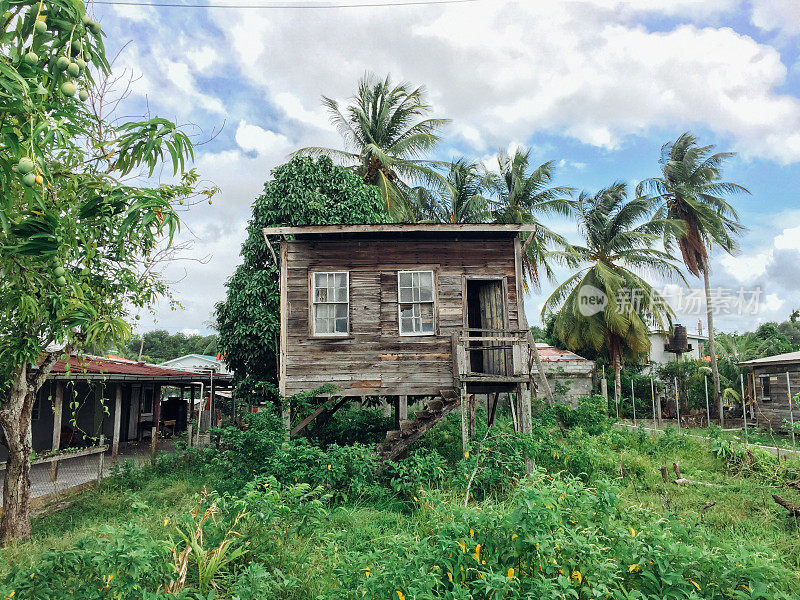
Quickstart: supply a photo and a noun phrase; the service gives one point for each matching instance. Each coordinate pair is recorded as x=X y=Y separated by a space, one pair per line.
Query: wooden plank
x=284 y=316
x=117 y=422
x=401 y=228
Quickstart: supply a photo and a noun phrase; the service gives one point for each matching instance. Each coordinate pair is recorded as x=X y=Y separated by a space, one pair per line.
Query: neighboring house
x=197 y=362
x=570 y=376
x=403 y=309
x=662 y=348
x=86 y=396
x=774 y=378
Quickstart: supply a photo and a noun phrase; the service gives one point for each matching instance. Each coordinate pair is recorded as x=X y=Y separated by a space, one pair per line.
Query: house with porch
x=775 y=379
x=399 y=310
x=86 y=396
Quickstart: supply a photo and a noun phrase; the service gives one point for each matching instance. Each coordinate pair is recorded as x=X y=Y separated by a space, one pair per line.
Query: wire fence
x=77 y=468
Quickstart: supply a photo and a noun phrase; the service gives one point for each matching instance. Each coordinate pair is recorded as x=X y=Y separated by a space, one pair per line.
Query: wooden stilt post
x=58 y=402
x=402 y=408
x=526 y=424
x=156 y=421
x=744 y=407
x=117 y=423
x=472 y=417
x=677 y=403
x=464 y=420
x=633 y=402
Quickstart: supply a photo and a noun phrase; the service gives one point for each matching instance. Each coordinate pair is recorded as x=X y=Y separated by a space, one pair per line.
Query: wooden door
x=492 y=310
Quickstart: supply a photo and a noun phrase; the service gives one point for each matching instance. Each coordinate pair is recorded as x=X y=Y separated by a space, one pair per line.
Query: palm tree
x=691 y=190
x=456 y=198
x=523 y=194
x=385 y=137
x=619 y=235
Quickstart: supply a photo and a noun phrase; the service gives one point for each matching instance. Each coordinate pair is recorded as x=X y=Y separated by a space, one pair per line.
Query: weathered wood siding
x=773 y=412
x=375 y=359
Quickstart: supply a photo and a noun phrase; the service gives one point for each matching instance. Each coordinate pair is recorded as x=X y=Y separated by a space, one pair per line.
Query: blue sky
x=596 y=85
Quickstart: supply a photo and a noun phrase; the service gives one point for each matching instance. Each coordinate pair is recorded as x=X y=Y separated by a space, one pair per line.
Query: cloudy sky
x=596 y=85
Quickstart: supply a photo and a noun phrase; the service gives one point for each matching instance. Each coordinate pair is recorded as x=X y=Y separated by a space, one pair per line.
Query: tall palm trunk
x=711 y=349
x=617 y=380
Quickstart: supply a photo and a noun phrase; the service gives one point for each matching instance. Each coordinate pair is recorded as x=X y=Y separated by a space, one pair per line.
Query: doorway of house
x=486 y=311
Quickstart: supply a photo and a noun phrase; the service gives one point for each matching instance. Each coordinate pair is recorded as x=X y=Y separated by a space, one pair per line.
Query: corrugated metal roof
x=94 y=364
x=550 y=354
x=788 y=357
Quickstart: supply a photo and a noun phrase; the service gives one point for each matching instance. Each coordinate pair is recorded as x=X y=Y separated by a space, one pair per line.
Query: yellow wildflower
x=576 y=575
x=511 y=572
x=400 y=595
x=745 y=587
x=632 y=568
x=329 y=467
x=633 y=532
x=478 y=552
x=463 y=546
x=694 y=583
x=480 y=575
x=415 y=499
x=466 y=454
x=366 y=572
x=450 y=576
x=471 y=533
x=515 y=536
x=11 y=595
x=166 y=522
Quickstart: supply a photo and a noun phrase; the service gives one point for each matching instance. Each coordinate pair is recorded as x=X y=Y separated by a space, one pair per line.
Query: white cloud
x=772 y=302
x=252 y=138
x=506 y=70
x=776 y=15
x=747 y=267
x=789 y=239
x=189 y=332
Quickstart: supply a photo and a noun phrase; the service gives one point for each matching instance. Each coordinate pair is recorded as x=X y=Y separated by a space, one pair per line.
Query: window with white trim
x=331 y=296
x=415 y=302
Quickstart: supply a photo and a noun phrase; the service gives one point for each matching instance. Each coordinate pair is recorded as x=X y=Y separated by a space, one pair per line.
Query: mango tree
x=77 y=239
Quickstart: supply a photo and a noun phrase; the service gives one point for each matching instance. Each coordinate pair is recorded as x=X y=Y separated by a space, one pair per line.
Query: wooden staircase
x=397 y=442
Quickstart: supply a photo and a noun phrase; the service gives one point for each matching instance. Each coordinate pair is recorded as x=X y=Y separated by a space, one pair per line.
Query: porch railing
x=491 y=355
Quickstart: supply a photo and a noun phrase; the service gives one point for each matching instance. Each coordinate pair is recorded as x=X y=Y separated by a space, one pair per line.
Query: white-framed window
x=331 y=299
x=415 y=302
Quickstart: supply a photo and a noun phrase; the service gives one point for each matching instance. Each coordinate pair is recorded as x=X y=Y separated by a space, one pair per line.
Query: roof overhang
x=188 y=378
x=401 y=228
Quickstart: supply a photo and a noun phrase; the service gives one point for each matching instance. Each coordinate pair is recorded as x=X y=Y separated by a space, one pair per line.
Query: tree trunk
x=15 y=420
x=617 y=382
x=711 y=349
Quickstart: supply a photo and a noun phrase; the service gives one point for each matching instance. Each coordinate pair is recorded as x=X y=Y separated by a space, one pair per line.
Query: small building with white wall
x=570 y=376
x=661 y=353
x=197 y=362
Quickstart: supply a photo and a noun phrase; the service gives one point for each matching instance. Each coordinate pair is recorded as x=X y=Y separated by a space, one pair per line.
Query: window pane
x=426 y=286
x=406 y=311
x=406 y=325
x=426 y=311
x=341 y=325
x=341 y=287
x=341 y=311
x=405 y=280
x=405 y=294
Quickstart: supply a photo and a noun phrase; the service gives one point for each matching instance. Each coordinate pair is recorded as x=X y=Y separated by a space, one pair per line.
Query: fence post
x=189 y=435
x=791 y=411
x=633 y=401
x=653 y=396
x=708 y=411
x=101 y=460
x=153 y=444
x=744 y=407
x=677 y=403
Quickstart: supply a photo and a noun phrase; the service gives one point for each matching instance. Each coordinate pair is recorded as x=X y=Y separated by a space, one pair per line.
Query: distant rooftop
x=549 y=353
x=787 y=358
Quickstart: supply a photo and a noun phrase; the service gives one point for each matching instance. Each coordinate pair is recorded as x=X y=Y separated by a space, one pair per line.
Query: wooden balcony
x=491 y=358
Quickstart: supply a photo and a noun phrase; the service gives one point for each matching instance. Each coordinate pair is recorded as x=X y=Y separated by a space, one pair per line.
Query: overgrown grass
x=596 y=519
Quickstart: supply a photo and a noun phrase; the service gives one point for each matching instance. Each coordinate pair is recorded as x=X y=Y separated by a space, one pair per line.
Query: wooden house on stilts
x=399 y=310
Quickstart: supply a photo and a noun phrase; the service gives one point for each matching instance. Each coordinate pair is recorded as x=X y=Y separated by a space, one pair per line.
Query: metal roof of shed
x=778 y=359
x=94 y=367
